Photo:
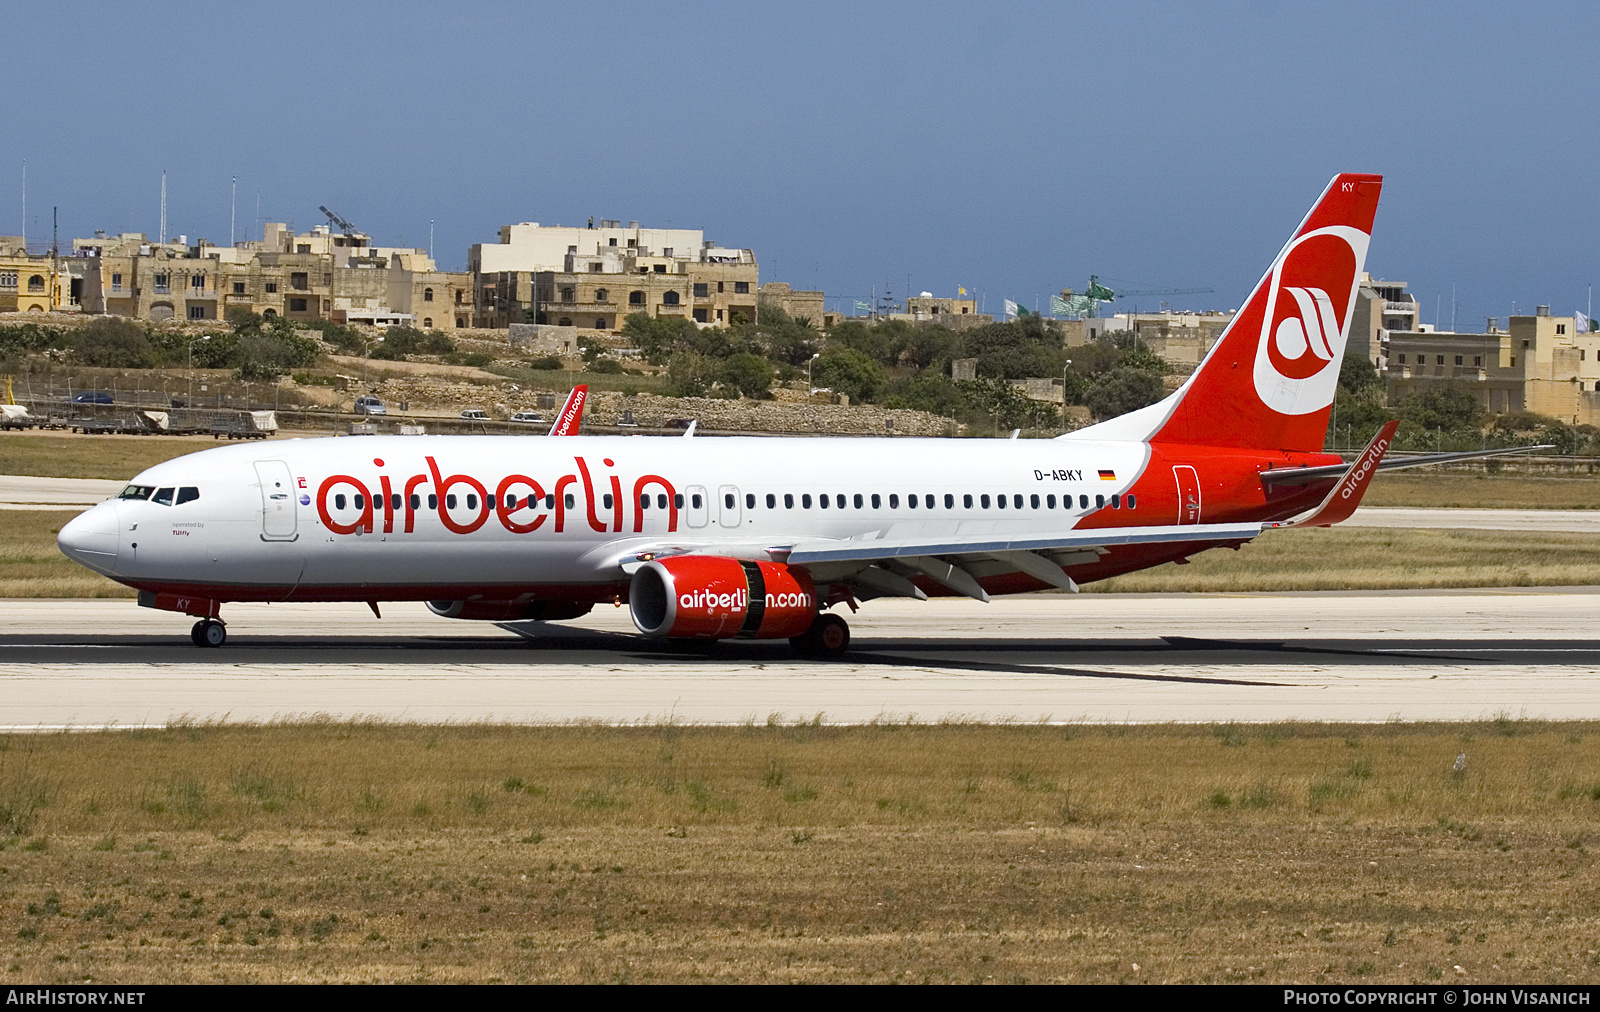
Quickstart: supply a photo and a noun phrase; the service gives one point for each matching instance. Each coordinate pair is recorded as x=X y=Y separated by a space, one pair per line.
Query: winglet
x=1346 y=496
x=571 y=415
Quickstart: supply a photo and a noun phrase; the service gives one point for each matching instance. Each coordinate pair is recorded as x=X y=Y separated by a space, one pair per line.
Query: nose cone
x=91 y=537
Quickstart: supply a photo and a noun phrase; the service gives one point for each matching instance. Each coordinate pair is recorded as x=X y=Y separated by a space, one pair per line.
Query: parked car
x=370 y=406
x=475 y=415
x=92 y=397
x=528 y=418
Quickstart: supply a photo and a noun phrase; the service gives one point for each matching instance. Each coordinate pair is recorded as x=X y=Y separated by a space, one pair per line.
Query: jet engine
x=483 y=610
x=713 y=597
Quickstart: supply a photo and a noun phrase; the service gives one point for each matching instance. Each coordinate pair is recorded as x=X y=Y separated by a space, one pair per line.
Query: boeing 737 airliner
x=756 y=537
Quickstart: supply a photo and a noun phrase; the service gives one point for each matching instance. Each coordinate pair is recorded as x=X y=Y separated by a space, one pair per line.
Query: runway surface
x=1450 y=655
x=22 y=492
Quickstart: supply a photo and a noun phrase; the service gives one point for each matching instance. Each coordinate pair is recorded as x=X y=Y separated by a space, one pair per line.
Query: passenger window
x=533 y=502
x=911 y=502
x=394 y=500
x=858 y=500
x=1033 y=500
x=788 y=500
x=187 y=493
x=605 y=499
x=822 y=500
x=361 y=502
x=694 y=501
x=1083 y=502
x=1131 y=502
x=894 y=501
x=927 y=500
x=416 y=501
x=571 y=502
x=949 y=501
x=338 y=501
x=1050 y=502
x=727 y=500
x=805 y=500
x=772 y=501
x=749 y=500
x=1000 y=501
x=1116 y=501
x=449 y=502
x=1016 y=500
x=838 y=500
x=661 y=500
x=677 y=499
x=549 y=501
x=472 y=500
x=985 y=501
x=1099 y=501
x=877 y=501
x=644 y=501
x=433 y=501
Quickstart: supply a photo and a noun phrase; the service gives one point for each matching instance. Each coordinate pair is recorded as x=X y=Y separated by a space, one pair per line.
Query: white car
x=528 y=418
x=475 y=415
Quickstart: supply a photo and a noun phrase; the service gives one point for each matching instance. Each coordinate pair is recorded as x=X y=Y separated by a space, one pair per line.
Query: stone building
x=592 y=278
x=1540 y=364
x=1381 y=307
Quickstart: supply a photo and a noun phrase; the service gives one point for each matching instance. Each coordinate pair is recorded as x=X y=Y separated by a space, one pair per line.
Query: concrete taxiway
x=1449 y=655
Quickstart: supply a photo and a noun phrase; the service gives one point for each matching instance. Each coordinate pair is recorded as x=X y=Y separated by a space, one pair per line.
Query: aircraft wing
x=1307 y=475
x=868 y=549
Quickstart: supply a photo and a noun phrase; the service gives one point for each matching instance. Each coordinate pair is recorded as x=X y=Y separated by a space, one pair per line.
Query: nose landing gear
x=209 y=632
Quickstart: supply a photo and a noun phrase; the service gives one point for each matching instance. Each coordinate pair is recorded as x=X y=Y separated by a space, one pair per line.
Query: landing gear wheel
x=829 y=636
x=208 y=632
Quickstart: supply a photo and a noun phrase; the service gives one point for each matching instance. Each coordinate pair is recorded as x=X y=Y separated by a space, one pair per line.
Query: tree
x=114 y=343
x=748 y=373
x=1122 y=390
x=691 y=374
x=1446 y=406
x=846 y=370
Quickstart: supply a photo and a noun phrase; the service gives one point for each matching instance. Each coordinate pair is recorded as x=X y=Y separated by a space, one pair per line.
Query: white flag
x=1011 y=310
x=1582 y=322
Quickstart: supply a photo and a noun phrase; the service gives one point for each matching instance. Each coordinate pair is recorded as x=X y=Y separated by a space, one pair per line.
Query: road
x=1449 y=655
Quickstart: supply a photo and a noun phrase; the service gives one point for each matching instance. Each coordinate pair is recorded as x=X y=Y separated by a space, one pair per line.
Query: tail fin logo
x=1306 y=320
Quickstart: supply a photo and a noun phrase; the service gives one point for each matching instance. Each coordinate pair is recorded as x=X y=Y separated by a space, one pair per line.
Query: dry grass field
x=802 y=853
x=1483 y=491
x=50 y=455
x=32 y=566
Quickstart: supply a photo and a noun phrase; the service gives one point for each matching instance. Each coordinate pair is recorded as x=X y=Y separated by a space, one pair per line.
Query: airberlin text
x=738 y=600
x=519 y=502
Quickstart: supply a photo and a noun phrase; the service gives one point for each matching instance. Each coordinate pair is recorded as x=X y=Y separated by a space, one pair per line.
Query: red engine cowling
x=713 y=597
x=484 y=610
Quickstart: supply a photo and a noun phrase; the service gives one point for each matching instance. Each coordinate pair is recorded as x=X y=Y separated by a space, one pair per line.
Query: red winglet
x=571 y=415
x=1346 y=496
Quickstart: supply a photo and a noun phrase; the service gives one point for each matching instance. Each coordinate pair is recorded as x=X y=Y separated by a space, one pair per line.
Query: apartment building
x=1540 y=363
x=592 y=278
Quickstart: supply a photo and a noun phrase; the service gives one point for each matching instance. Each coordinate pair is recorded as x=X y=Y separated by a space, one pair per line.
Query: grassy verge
x=1368 y=558
x=1483 y=491
x=804 y=853
x=115 y=457
x=32 y=566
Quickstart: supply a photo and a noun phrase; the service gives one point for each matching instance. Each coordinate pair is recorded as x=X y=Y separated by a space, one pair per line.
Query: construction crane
x=1070 y=304
x=343 y=225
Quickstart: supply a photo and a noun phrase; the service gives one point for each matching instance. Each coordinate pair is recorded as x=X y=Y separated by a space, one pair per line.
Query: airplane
x=756 y=537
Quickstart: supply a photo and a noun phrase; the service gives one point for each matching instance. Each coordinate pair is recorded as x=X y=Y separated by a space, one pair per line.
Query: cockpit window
x=188 y=493
x=137 y=492
x=163 y=496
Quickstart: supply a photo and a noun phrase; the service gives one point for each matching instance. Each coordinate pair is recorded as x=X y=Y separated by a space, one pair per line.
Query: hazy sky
x=1010 y=148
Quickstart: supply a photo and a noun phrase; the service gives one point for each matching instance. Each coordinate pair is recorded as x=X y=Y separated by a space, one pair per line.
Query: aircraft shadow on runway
x=553 y=646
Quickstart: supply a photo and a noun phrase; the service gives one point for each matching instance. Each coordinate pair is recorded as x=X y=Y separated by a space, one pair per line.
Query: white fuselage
x=426 y=517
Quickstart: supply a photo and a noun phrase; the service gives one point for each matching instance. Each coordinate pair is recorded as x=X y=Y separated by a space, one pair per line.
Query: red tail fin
x=1269 y=381
x=571 y=415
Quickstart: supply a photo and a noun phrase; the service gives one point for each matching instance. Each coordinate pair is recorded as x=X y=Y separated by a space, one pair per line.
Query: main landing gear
x=829 y=636
x=209 y=632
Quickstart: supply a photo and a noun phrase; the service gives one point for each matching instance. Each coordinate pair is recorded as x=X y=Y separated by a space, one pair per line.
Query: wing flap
x=866 y=549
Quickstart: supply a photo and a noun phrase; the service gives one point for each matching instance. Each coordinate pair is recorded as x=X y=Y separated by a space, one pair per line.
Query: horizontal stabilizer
x=1345 y=497
x=1307 y=475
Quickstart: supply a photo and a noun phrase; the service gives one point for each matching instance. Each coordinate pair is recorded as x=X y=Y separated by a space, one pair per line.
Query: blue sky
x=1010 y=148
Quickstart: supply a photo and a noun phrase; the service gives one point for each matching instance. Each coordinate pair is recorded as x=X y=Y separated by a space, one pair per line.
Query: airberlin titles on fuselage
x=514 y=496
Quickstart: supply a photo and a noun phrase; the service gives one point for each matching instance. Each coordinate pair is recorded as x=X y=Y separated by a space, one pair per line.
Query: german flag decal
x=1107 y=475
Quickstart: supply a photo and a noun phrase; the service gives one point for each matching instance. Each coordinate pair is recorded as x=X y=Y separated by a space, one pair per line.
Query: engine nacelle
x=483 y=610
x=714 y=597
